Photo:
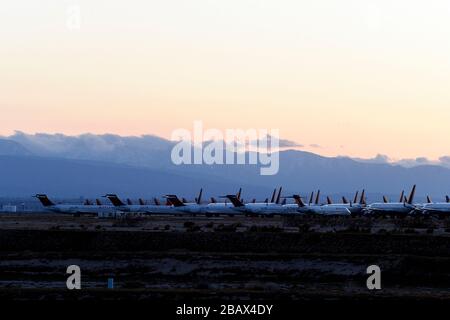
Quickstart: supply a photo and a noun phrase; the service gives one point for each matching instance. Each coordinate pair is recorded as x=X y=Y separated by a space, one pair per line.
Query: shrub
x=189 y=224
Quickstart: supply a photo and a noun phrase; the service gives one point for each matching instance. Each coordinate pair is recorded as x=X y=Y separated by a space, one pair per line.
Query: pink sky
x=356 y=77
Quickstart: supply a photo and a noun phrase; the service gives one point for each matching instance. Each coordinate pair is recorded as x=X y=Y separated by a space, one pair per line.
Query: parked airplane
x=314 y=206
x=76 y=209
x=439 y=208
x=354 y=206
x=319 y=209
x=217 y=208
x=292 y=208
x=393 y=208
x=139 y=208
x=183 y=206
x=265 y=208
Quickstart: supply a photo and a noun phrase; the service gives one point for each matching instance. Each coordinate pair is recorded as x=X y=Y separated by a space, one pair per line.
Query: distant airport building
x=109 y=215
x=9 y=208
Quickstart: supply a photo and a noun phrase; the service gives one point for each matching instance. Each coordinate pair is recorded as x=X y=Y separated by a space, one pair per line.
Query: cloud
x=445 y=160
x=282 y=143
x=147 y=148
x=381 y=158
x=261 y=143
x=290 y=144
x=423 y=160
x=62 y=144
x=378 y=159
x=419 y=161
x=138 y=150
x=407 y=162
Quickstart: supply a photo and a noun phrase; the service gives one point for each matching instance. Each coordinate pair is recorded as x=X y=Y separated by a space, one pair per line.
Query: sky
x=355 y=78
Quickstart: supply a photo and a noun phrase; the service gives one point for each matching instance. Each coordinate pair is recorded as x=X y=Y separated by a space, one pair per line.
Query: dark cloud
x=284 y=143
x=381 y=158
x=422 y=160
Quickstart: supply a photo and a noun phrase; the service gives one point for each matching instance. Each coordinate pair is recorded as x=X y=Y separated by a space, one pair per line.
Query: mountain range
x=92 y=165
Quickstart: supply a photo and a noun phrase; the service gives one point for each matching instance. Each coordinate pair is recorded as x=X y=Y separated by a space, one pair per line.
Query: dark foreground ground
x=227 y=259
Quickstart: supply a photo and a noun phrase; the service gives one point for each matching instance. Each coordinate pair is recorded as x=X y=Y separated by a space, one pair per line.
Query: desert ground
x=227 y=258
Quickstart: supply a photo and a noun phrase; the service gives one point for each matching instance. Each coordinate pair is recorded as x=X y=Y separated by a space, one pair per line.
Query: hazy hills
x=9 y=147
x=26 y=176
x=92 y=165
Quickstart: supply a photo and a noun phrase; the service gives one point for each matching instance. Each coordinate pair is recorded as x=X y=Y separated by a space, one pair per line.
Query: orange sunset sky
x=357 y=78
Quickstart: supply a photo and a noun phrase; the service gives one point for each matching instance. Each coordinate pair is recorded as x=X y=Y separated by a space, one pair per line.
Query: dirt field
x=223 y=258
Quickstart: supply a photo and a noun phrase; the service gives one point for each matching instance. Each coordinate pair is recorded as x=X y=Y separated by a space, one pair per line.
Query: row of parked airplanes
x=235 y=205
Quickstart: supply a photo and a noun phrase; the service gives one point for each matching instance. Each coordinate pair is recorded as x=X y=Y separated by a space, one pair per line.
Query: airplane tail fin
x=279 y=195
x=87 y=202
x=355 y=199
x=115 y=200
x=173 y=200
x=284 y=202
x=329 y=201
x=198 y=200
x=317 y=197
x=411 y=195
x=98 y=202
x=129 y=202
x=213 y=200
x=447 y=198
x=234 y=200
x=344 y=200
x=46 y=202
x=298 y=200
x=385 y=199
x=363 y=197
x=141 y=202
x=429 y=199
x=273 y=195
x=311 y=197
x=402 y=195
x=238 y=195
x=156 y=201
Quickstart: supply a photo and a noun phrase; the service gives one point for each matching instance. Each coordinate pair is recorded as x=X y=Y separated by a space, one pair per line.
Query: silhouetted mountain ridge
x=93 y=165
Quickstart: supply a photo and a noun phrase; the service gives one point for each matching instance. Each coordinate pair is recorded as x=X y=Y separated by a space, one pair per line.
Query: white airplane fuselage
x=147 y=209
x=263 y=208
x=437 y=207
x=324 y=210
x=387 y=208
x=190 y=208
x=221 y=208
x=353 y=208
x=80 y=209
